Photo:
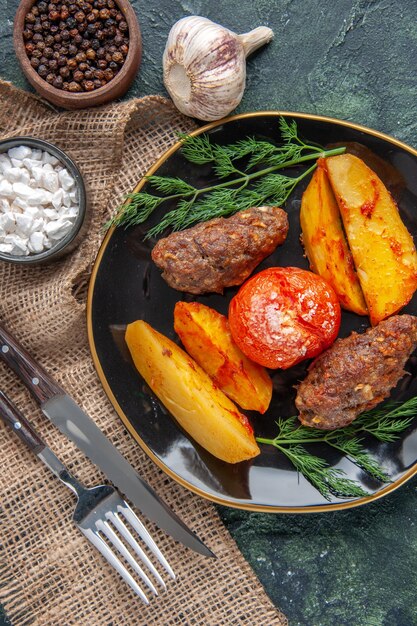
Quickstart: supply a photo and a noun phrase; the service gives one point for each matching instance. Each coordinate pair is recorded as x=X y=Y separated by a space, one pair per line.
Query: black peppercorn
x=90 y=54
x=42 y=71
x=62 y=61
x=72 y=50
x=65 y=86
x=92 y=28
x=65 y=35
x=53 y=64
x=72 y=64
x=101 y=53
x=95 y=44
x=78 y=39
x=49 y=40
x=37 y=54
x=57 y=38
x=85 y=45
x=79 y=16
x=124 y=49
x=71 y=23
x=37 y=28
x=64 y=72
x=113 y=66
x=30 y=18
x=34 y=62
x=108 y=74
x=30 y=47
x=27 y=34
x=50 y=78
x=58 y=82
x=64 y=13
x=40 y=45
x=42 y=7
x=78 y=76
x=101 y=64
x=74 y=87
x=83 y=66
x=48 y=52
x=89 y=74
x=38 y=37
x=88 y=85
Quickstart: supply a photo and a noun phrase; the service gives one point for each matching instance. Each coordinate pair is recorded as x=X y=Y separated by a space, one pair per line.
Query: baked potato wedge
x=206 y=336
x=325 y=243
x=382 y=248
x=202 y=409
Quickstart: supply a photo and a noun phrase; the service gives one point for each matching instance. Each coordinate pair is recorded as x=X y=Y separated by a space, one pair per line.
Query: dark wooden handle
x=36 y=379
x=11 y=416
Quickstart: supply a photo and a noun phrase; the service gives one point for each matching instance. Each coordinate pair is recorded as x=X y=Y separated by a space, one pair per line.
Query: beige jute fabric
x=50 y=575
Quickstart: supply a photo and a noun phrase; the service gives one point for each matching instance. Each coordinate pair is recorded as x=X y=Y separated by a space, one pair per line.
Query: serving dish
x=126 y=286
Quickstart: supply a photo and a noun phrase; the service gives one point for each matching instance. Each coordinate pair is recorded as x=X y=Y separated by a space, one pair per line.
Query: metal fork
x=99 y=513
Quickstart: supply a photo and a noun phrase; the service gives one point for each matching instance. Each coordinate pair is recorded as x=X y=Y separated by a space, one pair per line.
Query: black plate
x=126 y=286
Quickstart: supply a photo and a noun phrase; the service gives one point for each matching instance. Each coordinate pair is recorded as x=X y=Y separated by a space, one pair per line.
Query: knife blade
x=75 y=424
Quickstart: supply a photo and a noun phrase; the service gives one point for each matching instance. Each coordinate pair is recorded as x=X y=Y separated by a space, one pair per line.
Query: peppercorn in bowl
x=44 y=211
x=78 y=53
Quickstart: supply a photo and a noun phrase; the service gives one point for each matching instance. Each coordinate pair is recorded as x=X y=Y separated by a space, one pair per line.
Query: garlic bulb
x=205 y=66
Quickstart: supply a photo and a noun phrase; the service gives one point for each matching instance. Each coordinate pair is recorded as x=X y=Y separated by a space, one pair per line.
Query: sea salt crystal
x=19 y=152
x=6 y=188
x=36 y=241
x=38 y=201
x=66 y=180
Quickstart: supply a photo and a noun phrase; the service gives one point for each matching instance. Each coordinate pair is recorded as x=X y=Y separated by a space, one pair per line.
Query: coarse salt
x=38 y=201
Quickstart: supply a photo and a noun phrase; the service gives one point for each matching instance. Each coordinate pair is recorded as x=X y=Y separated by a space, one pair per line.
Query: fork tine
x=144 y=535
x=125 y=532
x=106 y=529
x=108 y=554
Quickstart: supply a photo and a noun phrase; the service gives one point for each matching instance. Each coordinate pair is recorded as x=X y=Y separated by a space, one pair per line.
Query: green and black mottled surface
x=354 y=60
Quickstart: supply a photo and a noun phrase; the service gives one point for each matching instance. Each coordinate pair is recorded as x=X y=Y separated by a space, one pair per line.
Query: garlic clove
x=205 y=66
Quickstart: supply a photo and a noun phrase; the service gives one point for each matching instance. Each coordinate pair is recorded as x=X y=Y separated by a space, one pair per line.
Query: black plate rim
x=330 y=507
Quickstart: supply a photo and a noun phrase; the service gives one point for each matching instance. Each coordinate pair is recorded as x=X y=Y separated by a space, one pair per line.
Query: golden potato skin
x=325 y=243
x=206 y=336
x=382 y=248
x=204 y=411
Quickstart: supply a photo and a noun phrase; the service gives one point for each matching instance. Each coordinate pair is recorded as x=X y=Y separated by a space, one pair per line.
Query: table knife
x=75 y=424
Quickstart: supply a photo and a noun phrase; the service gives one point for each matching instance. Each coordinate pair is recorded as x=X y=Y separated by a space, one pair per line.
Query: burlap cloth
x=50 y=574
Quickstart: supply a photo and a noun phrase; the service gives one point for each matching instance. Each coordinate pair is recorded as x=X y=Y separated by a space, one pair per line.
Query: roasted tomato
x=284 y=315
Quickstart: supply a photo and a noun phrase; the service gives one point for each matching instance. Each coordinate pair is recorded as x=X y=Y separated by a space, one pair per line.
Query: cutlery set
x=101 y=514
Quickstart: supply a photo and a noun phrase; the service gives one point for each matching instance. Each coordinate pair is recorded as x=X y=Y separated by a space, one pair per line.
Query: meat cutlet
x=356 y=373
x=221 y=252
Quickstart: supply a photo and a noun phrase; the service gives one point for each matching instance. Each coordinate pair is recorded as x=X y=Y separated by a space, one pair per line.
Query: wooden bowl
x=114 y=89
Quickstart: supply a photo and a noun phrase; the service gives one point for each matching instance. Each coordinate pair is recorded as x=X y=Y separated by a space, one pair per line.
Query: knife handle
x=36 y=379
x=11 y=416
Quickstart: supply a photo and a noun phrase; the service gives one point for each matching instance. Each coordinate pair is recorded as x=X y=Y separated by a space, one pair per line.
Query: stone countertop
x=354 y=60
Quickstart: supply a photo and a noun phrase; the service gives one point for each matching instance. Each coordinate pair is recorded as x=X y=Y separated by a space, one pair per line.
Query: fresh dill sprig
x=384 y=423
x=247 y=173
